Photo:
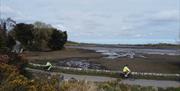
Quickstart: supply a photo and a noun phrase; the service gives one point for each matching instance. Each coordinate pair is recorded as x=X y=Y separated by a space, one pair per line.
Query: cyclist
x=48 y=65
x=126 y=71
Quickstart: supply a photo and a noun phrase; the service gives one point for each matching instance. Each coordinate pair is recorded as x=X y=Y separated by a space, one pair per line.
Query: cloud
x=166 y=16
x=160 y=18
x=7 y=11
x=101 y=19
x=159 y=24
x=77 y=21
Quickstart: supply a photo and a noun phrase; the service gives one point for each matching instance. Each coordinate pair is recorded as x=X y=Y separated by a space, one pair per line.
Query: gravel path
x=141 y=82
x=89 y=78
x=153 y=83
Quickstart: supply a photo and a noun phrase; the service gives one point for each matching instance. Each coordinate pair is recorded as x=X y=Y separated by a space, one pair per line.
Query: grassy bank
x=108 y=86
x=71 y=43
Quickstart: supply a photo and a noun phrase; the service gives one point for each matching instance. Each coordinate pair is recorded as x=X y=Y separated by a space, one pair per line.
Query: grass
x=71 y=43
x=107 y=86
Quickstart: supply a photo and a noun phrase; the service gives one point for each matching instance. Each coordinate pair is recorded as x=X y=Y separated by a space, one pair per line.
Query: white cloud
x=95 y=19
x=162 y=18
x=166 y=16
x=7 y=11
x=4 y=9
x=60 y=27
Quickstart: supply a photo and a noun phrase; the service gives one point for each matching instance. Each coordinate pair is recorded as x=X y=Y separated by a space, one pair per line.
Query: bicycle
x=130 y=76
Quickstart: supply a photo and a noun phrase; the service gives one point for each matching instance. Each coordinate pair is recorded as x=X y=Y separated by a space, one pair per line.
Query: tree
x=58 y=39
x=38 y=36
x=65 y=36
x=39 y=24
x=6 y=41
x=2 y=38
x=44 y=36
x=2 y=42
x=10 y=42
x=24 y=33
x=42 y=33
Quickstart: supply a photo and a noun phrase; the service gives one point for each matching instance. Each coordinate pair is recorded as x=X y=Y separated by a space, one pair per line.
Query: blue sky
x=103 y=21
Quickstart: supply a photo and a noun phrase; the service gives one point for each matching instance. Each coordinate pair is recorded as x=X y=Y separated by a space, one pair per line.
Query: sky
x=102 y=21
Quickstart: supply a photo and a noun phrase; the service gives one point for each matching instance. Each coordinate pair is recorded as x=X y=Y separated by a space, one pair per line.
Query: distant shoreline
x=149 y=46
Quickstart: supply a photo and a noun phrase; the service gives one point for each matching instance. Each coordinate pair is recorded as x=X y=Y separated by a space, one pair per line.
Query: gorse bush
x=4 y=58
x=19 y=61
x=11 y=80
x=12 y=77
x=15 y=60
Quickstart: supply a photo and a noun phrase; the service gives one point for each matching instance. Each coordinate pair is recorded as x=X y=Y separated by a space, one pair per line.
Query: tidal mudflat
x=113 y=58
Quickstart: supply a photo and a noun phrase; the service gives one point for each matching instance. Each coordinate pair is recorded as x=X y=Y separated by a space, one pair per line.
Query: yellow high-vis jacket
x=126 y=69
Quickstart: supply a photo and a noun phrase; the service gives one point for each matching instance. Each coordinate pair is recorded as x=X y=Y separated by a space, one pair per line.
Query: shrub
x=12 y=80
x=57 y=40
x=10 y=42
x=78 y=86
